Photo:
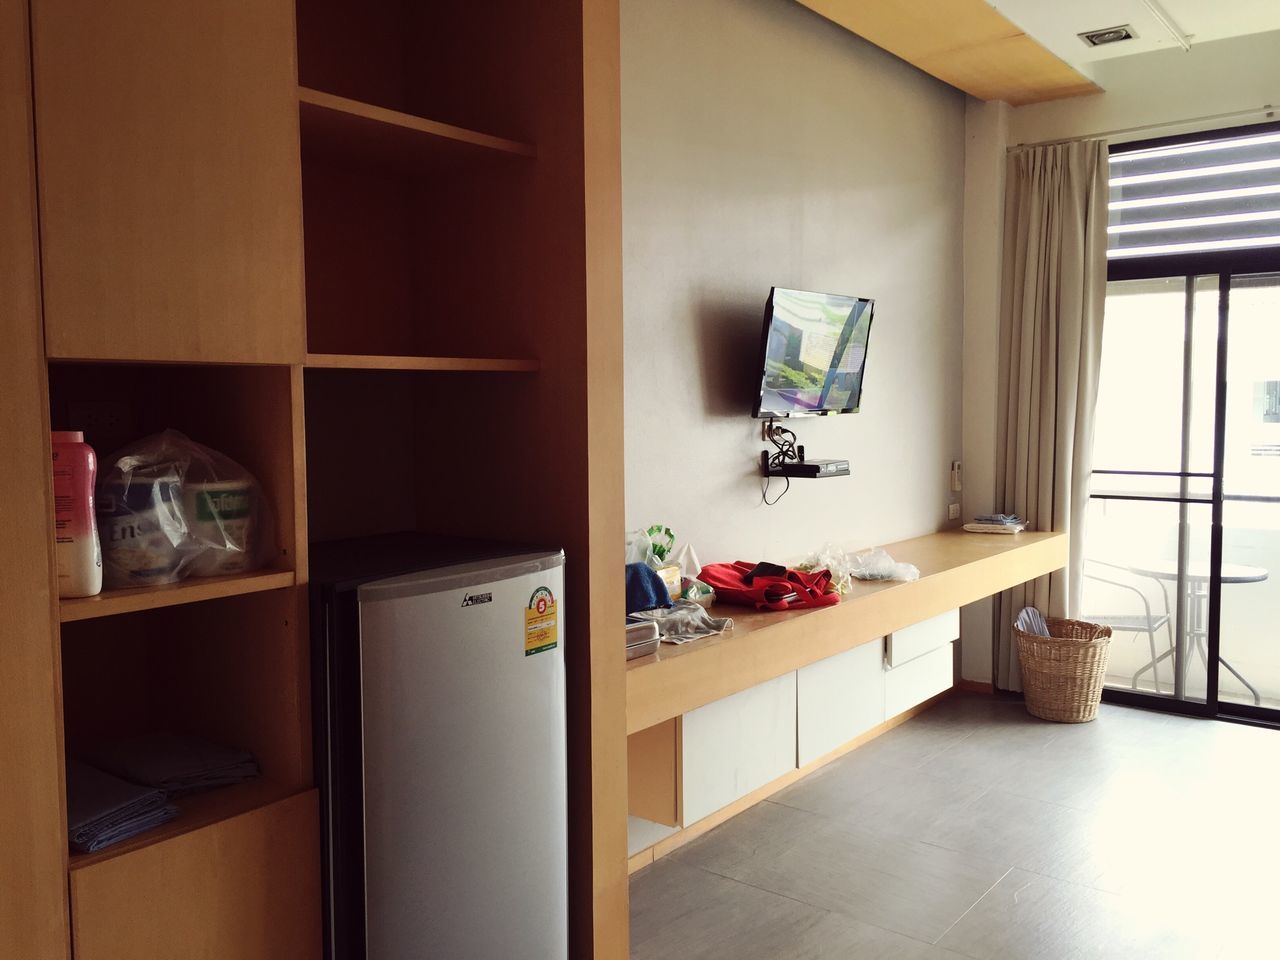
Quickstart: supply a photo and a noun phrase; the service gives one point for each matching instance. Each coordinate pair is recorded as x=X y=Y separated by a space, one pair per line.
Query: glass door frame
x=1190 y=267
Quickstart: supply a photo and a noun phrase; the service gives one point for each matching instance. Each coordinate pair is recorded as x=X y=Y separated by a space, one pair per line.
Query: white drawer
x=918 y=639
x=838 y=699
x=917 y=681
x=735 y=745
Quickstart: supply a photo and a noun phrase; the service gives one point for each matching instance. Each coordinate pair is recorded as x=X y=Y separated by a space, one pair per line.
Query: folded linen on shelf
x=175 y=764
x=995 y=527
x=102 y=809
x=1009 y=518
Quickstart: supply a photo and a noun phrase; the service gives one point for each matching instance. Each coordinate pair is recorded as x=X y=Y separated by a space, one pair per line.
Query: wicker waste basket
x=1062 y=673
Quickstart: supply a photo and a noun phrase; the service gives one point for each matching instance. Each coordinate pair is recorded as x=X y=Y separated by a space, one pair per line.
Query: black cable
x=765 y=495
x=785 y=441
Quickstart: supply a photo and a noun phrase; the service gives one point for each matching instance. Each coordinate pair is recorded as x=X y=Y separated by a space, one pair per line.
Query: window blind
x=1216 y=194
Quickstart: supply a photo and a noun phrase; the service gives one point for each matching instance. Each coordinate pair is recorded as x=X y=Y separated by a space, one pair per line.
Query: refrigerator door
x=463 y=709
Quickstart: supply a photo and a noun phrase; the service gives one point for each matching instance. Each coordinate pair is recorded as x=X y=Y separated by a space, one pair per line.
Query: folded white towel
x=1030 y=620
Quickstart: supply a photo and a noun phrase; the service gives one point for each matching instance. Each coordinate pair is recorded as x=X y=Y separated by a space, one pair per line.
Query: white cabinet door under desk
x=735 y=745
x=917 y=680
x=903 y=646
x=838 y=699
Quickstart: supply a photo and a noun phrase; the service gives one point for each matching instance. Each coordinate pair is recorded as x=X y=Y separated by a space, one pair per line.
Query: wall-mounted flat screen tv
x=812 y=353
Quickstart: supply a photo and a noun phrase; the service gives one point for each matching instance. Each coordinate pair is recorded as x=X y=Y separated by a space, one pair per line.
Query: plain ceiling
x=1056 y=24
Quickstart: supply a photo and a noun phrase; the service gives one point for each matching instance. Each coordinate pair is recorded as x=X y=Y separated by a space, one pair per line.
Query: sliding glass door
x=1183 y=530
x=1150 y=520
x=1250 y=618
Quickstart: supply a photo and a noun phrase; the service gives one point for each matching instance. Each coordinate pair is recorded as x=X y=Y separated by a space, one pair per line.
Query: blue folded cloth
x=645 y=589
x=102 y=809
x=174 y=764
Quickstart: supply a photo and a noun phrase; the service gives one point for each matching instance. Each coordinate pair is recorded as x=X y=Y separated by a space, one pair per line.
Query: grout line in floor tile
x=985 y=893
x=752 y=886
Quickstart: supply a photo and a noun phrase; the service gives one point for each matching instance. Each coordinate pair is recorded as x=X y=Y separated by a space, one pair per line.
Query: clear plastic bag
x=170 y=508
x=876 y=564
x=834 y=560
x=639 y=546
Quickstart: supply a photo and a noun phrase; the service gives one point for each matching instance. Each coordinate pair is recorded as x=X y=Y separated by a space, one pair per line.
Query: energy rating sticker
x=541 y=626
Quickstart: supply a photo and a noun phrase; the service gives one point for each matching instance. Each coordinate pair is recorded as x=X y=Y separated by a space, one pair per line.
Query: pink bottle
x=75 y=470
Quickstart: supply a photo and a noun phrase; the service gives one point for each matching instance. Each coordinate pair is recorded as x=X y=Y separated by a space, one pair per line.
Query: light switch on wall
x=955 y=477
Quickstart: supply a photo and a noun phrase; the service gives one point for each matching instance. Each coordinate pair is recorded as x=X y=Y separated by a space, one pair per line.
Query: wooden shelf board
x=363 y=361
x=956 y=568
x=111 y=602
x=377 y=133
x=196 y=811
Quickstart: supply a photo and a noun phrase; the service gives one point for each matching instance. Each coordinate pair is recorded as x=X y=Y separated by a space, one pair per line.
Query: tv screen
x=812 y=353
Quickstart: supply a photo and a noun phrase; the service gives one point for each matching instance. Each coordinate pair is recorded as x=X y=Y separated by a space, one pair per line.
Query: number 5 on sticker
x=541 y=625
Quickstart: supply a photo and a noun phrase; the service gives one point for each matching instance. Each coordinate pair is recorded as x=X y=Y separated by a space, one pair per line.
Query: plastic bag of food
x=697 y=591
x=876 y=564
x=833 y=559
x=662 y=542
x=656 y=547
x=639 y=546
x=170 y=508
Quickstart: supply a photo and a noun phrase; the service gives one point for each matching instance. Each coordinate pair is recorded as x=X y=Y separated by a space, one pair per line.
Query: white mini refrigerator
x=439 y=682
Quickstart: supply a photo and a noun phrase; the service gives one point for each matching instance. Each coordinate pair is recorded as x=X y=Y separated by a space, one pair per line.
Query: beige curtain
x=1054 y=284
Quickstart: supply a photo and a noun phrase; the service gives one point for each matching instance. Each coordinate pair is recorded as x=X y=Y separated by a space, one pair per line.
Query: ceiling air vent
x=1096 y=38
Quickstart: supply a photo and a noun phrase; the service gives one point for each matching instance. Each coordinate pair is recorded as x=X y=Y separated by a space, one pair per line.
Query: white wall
x=763 y=145
x=1163 y=87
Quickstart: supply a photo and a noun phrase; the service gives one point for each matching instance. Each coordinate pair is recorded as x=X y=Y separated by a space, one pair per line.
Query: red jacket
x=767 y=591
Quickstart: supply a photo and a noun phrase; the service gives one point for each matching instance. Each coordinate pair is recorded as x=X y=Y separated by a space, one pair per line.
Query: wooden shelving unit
x=366 y=361
x=391 y=148
x=365 y=130
x=112 y=602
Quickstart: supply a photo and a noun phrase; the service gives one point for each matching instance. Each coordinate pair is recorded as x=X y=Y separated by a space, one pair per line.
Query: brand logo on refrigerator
x=471 y=599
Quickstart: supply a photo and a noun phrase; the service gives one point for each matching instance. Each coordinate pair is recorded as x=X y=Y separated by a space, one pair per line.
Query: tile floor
x=977 y=831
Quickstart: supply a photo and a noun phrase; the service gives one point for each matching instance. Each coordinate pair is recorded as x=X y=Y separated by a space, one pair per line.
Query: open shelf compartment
x=232 y=671
x=372 y=134
x=462 y=64
x=244 y=412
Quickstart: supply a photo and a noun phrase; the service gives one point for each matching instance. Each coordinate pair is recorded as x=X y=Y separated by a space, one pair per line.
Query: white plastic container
x=75 y=469
x=142 y=526
x=220 y=516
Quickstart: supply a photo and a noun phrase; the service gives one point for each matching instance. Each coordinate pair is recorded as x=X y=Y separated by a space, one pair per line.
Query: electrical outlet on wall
x=953 y=511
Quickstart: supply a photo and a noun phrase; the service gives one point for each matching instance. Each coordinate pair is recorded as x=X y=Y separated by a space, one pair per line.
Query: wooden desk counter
x=956 y=568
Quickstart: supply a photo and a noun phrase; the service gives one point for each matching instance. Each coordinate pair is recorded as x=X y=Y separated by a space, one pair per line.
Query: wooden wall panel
x=602 y=191
x=170 y=196
x=653 y=773
x=247 y=887
x=33 y=835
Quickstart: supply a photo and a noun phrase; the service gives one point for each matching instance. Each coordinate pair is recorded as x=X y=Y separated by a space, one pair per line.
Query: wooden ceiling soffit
x=966 y=43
